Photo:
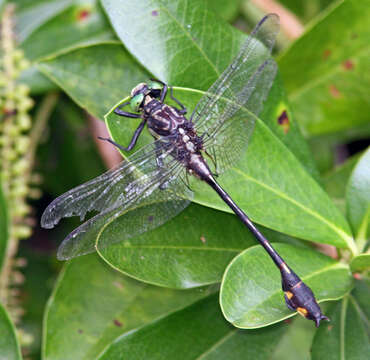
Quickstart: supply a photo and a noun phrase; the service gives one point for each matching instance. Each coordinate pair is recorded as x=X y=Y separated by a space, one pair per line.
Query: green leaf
x=95 y=77
x=193 y=249
x=197 y=332
x=4 y=231
x=227 y=10
x=31 y=14
x=360 y=262
x=180 y=42
x=345 y=337
x=81 y=23
x=9 y=346
x=92 y=304
x=358 y=199
x=335 y=182
x=326 y=71
x=255 y=302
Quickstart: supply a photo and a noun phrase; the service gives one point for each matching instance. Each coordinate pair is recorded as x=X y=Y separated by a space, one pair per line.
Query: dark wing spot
x=155 y=13
x=82 y=14
x=283 y=121
x=348 y=65
x=117 y=323
x=326 y=54
x=334 y=92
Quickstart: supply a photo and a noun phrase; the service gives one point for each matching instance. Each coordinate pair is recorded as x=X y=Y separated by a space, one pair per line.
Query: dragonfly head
x=139 y=92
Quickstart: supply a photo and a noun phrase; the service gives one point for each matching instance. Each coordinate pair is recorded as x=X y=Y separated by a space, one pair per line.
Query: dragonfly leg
x=120 y=112
x=164 y=90
x=133 y=140
x=183 y=109
x=213 y=161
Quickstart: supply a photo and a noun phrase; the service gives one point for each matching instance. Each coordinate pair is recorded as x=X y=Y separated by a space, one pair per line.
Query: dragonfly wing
x=163 y=198
x=226 y=138
x=111 y=189
x=232 y=85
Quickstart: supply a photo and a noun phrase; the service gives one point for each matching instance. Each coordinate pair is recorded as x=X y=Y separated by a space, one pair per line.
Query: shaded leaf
x=335 y=182
x=360 y=262
x=358 y=199
x=80 y=23
x=32 y=14
x=225 y=9
x=197 y=332
x=9 y=347
x=250 y=302
x=345 y=337
x=326 y=70
x=92 y=304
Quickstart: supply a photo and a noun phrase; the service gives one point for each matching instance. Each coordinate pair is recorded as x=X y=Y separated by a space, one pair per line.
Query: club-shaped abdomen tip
x=319 y=318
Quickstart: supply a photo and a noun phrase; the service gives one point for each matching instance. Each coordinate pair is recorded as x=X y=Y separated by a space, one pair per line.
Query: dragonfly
x=151 y=186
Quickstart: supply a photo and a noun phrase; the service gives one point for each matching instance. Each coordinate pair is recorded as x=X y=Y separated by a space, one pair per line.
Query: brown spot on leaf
x=354 y=36
x=117 y=323
x=80 y=331
x=83 y=14
x=203 y=239
x=357 y=276
x=326 y=54
x=283 y=121
x=150 y=218
x=334 y=92
x=348 y=65
x=155 y=13
x=287 y=321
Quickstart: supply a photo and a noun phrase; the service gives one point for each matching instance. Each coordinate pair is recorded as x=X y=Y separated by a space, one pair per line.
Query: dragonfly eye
x=155 y=88
x=136 y=102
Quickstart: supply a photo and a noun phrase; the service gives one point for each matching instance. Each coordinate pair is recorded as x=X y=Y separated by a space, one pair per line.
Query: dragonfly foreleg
x=164 y=90
x=120 y=112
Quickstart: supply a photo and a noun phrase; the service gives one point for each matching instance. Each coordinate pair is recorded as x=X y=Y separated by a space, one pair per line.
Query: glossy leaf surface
x=92 y=305
x=326 y=71
x=197 y=332
x=358 y=198
x=193 y=249
x=9 y=347
x=251 y=294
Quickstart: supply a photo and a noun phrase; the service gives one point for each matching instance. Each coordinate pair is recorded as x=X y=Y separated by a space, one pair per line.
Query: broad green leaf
x=95 y=77
x=4 y=231
x=9 y=347
x=31 y=14
x=326 y=71
x=361 y=293
x=360 y=262
x=75 y=72
x=267 y=174
x=81 y=23
x=251 y=302
x=335 y=182
x=197 y=332
x=192 y=249
x=345 y=337
x=358 y=199
x=92 y=304
x=180 y=42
